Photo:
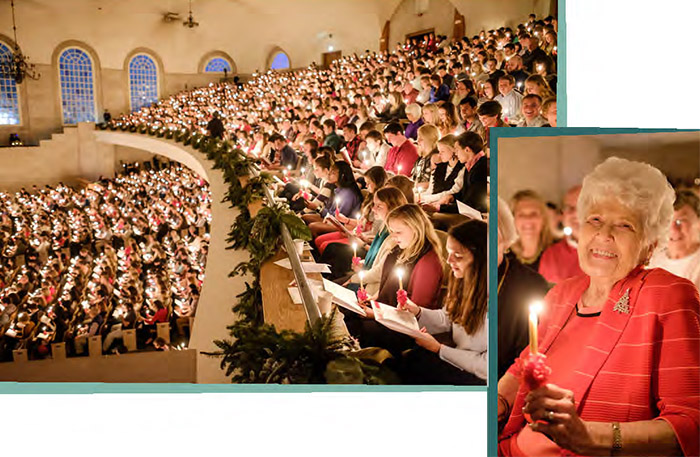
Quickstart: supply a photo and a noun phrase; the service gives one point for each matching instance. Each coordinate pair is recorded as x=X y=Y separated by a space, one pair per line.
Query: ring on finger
x=550 y=415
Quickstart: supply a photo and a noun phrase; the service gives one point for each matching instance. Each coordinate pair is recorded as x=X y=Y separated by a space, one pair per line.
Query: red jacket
x=643 y=365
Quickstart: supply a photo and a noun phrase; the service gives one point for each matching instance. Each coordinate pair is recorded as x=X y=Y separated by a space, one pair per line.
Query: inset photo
x=598 y=309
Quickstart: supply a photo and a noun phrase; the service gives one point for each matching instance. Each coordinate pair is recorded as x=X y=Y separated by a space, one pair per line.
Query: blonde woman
x=430 y=114
x=428 y=136
x=385 y=200
x=448 y=120
x=395 y=110
x=448 y=177
x=536 y=84
x=418 y=253
x=532 y=224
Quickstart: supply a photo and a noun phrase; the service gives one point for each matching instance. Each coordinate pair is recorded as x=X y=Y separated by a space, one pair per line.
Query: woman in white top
x=465 y=360
x=377 y=150
x=448 y=176
x=681 y=256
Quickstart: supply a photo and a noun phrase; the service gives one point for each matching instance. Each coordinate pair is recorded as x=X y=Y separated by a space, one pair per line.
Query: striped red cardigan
x=644 y=364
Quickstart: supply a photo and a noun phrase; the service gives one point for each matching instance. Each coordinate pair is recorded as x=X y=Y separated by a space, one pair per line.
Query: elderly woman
x=621 y=340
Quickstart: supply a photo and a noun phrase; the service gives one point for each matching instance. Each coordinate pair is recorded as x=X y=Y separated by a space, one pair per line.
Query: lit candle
x=399 y=169
x=568 y=231
x=361 y=274
x=354 y=249
x=399 y=273
x=535 y=310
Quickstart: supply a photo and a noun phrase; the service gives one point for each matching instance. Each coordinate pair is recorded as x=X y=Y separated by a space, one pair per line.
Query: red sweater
x=640 y=365
x=559 y=262
x=404 y=155
x=160 y=316
x=423 y=285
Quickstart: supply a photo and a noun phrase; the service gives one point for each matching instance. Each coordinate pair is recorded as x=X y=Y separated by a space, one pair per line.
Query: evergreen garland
x=258 y=353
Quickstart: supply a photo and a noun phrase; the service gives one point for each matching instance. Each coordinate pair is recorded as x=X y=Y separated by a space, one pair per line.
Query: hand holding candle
x=362 y=293
x=401 y=294
x=337 y=206
x=355 y=258
x=535 y=371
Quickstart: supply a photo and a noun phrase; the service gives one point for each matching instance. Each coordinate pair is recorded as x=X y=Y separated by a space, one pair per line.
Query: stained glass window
x=280 y=61
x=9 y=97
x=217 y=65
x=77 y=86
x=143 y=81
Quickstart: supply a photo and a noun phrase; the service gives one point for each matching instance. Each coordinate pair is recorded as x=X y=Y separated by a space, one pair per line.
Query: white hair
x=413 y=109
x=638 y=186
x=506 y=223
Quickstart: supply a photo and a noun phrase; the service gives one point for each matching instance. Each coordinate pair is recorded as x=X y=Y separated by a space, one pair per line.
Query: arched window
x=218 y=65
x=280 y=61
x=143 y=81
x=77 y=86
x=9 y=96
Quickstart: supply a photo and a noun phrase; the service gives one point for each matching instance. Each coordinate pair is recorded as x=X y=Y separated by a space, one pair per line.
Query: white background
x=631 y=63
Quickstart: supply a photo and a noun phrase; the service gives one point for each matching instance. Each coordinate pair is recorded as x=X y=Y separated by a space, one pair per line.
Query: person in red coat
x=560 y=260
x=621 y=340
x=403 y=155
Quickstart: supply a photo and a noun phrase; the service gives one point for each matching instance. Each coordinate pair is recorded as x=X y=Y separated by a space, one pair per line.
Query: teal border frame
x=522 y=132
x=562 y=119
x=28 y=388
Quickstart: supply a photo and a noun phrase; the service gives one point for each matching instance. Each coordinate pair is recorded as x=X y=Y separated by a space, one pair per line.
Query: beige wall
x=551 y=165
x=246 y=30
x=439 y=16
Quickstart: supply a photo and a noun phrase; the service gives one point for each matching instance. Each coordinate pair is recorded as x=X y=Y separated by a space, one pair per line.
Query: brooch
x=623 y=304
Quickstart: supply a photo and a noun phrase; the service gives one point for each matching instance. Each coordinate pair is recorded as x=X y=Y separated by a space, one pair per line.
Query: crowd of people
x=497 y=78
x=386 y=157
x=618 y=267
x=116 y=254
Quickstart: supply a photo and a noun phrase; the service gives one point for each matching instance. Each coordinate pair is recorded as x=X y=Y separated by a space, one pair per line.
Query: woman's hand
x=342 y=218
x=556 y=409
x=428 y=341
x=446 y=200
x=369 y=313
x=356 y=267
x=410 y=307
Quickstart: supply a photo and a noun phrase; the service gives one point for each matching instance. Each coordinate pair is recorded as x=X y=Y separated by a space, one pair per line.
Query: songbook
x=397 y=320
x=295 y=294
x=466 y=210
x=343 y=297
x=339 y=224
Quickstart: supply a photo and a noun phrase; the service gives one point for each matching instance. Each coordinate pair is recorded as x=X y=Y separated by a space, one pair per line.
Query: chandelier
x=17 y=65
x=190 y=22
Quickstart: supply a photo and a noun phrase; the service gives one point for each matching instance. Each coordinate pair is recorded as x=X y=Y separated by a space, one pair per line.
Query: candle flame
x=536 y=308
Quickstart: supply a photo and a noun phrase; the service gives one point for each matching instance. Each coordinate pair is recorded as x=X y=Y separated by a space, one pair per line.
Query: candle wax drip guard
x=401 y=296
x=362 y=294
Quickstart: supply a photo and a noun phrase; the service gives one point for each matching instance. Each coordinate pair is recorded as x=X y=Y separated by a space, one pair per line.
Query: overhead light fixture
x=17 y=66
x=190 y=22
